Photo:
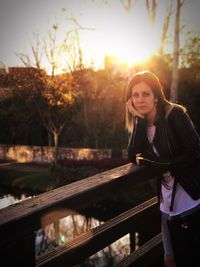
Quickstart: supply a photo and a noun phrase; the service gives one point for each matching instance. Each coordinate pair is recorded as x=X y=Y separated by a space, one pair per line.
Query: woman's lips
x=141 y=107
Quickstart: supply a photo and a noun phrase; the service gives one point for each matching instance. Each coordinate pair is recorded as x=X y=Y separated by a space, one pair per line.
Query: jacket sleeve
x=136 y=140
x=185 y=135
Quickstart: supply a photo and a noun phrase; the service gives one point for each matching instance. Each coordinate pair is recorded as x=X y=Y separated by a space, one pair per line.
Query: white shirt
x=182 y=200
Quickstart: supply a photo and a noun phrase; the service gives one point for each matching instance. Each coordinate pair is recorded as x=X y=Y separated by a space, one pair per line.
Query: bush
x=97 y=163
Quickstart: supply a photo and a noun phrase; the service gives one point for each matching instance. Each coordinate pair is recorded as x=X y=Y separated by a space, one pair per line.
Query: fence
x=19 y=222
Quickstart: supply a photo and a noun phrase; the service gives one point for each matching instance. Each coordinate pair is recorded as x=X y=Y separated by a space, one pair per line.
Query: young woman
x=163 y=135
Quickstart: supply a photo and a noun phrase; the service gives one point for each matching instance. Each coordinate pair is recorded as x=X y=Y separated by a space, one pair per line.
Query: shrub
x=97 y=163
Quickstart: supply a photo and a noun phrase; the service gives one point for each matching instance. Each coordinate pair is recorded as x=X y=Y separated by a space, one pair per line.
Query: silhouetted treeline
x=85 y=108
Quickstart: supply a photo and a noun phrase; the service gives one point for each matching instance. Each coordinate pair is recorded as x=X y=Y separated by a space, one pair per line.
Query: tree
x=55 y=99
x=165 y=28
x=189 y=93
x=175 y=65
x=37 y=52
x=151 y=9
x=190 y=53
x=56 y=95
x=18 y=113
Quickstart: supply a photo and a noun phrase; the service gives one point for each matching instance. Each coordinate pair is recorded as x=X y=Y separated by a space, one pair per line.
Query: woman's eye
x=143 y=94
x=146 y=94
x=135 y=95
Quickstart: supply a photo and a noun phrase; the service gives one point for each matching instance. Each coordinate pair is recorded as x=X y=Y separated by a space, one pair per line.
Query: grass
x=43 y=181
x=24 y=180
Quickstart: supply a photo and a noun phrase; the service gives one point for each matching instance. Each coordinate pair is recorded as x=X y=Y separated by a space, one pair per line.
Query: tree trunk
x=86 y=122
x=174 y=83
x=49 y=139
x=96 y=142
x=85 y=112
x=56 y=135
x=165 y=28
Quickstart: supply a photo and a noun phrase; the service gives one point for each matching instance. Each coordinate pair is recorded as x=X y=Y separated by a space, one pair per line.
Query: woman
x=163 y=136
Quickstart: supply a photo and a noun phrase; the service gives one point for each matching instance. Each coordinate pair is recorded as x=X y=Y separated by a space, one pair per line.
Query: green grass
x=38 y=182
x=31 y=181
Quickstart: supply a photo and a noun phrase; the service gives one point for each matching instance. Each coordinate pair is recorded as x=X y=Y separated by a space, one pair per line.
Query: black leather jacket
x=178 y=145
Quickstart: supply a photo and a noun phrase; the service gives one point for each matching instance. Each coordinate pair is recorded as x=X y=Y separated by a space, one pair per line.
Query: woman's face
x=143 y=98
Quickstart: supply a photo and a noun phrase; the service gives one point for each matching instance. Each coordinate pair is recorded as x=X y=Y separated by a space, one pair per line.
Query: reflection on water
x=68 y=228
x=8 y=199
x=62 y=231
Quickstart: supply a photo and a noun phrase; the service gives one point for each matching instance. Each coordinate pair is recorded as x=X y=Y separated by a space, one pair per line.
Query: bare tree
x=127 y=5
x=37 y=50
x=151 y=9
x=52 y=49
x=73 y=52
x=165 y=28
x=174 y=82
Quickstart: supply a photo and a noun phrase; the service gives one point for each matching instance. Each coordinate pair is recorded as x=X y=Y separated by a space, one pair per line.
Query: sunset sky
x=112 y=30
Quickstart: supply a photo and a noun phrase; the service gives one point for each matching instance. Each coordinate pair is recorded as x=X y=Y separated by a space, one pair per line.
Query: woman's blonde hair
x=154 y=83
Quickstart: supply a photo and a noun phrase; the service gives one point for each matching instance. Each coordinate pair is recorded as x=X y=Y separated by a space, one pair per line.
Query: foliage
x=26 y=181
x=55 y=99
x=98 y=163
x=18 y=115
x=85 y=108
x=189 y=94
x=190 y=52
x=77 y=173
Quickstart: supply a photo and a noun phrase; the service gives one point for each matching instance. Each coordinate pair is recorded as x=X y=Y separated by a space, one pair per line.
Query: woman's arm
x=188 y=142
x=137 y=139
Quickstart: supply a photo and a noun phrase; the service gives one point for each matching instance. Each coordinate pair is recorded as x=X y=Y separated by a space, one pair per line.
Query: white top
x=182 y=200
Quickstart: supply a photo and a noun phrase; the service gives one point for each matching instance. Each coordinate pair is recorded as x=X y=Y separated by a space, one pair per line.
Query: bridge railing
x=19 y=222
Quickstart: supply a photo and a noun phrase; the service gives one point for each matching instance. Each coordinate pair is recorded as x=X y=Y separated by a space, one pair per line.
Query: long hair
x=153 y=82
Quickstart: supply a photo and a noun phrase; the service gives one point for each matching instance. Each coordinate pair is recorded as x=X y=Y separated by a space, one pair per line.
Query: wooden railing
x=19 y=222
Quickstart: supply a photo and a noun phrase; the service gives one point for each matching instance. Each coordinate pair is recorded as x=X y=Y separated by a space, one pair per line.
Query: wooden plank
x=89 y=243
x=150 y=254
x=20 y=253
x=25 y=217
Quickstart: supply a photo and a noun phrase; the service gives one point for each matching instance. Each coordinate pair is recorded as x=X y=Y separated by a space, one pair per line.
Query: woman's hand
x=138 y=157
x=132 y=110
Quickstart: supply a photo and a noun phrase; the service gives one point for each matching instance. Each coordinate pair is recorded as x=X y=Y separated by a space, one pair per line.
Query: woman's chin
x=143 y=113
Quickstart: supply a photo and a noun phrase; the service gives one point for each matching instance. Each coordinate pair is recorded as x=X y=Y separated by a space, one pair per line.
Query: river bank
x=34 y=179
x=25 y=177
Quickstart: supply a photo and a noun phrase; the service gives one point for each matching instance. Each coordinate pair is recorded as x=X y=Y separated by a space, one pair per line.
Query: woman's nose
x=140 y=98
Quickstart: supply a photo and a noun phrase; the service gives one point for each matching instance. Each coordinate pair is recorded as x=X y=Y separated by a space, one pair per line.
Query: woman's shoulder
x=173 y=109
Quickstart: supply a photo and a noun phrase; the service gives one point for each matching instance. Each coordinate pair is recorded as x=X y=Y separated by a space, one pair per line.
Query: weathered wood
x=25 y=217
x=19 y=252
x=149 y=254
x=91 y=242
x=18 y=222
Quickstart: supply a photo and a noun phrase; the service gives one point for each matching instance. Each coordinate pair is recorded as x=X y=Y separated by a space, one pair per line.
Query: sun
x=129 y=38
x=132 y=52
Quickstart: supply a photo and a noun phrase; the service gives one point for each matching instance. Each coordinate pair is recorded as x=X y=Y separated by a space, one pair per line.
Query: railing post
x=132 y=241
x=20 y=252
x=146 y=231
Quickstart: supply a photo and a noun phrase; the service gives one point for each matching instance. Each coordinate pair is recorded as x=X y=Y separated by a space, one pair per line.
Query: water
x=9 y=199
x=55 y=233
x=68 y=228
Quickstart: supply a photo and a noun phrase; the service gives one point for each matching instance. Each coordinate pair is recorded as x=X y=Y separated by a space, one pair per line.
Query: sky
x=111 y=29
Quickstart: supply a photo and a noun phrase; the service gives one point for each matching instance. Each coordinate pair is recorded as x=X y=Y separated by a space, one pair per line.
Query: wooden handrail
x=26 y=215
x=146 y=255
x=97 y=238
x=19 y=221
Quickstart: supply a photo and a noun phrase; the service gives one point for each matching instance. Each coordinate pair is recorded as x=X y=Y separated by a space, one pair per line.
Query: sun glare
x=130 y=51
x=127 y=37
